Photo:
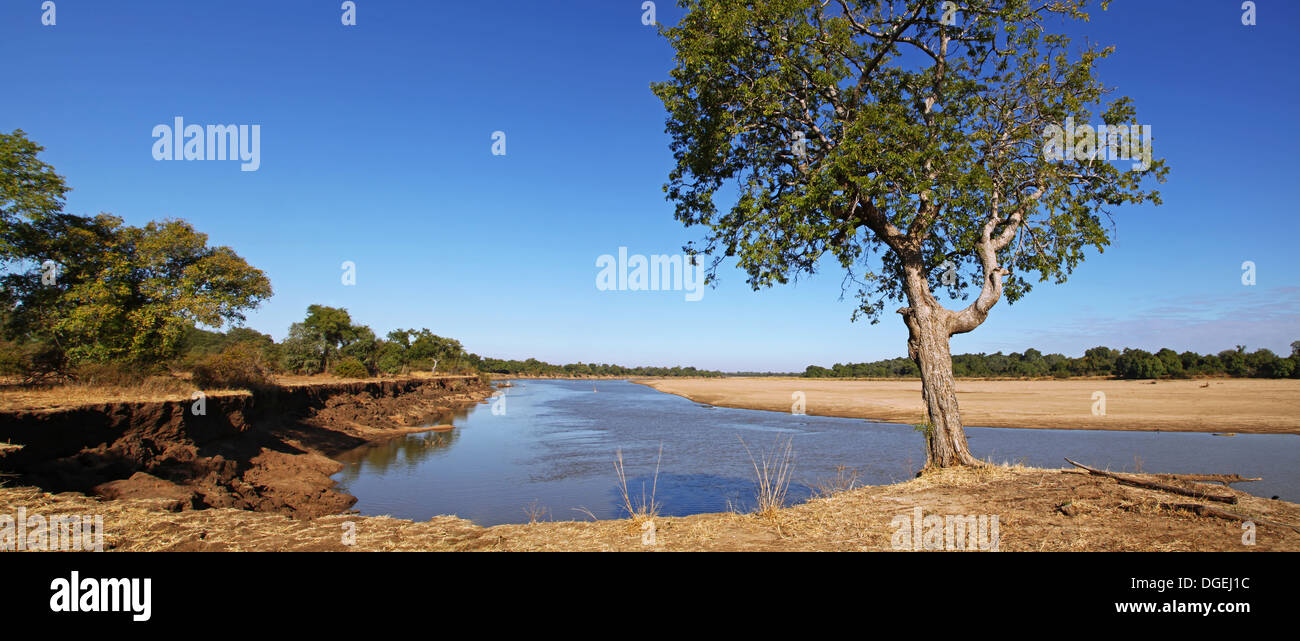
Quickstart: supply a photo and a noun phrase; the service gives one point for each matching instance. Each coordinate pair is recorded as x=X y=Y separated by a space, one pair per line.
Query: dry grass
x=1028 y=501
x=845 y=479
x=536 y=511
x=645 y=508
x=17 y=397
x=772 y=478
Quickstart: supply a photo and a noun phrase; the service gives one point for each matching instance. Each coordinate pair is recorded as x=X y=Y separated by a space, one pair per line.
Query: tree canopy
x=860 y=129
x=923 y=146
x=94 y=289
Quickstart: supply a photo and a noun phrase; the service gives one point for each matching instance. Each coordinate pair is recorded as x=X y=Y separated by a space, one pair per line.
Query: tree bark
x=930 y=325
x=927 y=346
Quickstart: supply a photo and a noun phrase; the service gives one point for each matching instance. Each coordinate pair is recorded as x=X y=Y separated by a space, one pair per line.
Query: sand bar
x=1265 y=406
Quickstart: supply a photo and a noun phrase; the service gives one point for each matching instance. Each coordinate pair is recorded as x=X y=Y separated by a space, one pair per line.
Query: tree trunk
x=927 y=345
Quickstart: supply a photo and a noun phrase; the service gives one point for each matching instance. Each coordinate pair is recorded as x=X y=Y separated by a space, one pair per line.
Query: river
x=549 y=450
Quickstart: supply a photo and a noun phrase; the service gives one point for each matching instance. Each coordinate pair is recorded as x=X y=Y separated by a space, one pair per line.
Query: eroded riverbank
x=264 y=451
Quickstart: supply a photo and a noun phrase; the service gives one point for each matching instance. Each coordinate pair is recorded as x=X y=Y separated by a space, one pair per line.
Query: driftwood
x=1225 y=479
x=1156 y=485
x=1209 y=510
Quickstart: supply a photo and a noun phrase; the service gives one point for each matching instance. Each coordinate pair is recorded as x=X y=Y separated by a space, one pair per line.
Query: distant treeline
x=1098 y=361
x=328 y=340
x=534 y=367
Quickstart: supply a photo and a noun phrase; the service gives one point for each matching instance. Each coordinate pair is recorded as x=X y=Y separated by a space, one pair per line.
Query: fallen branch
x=1225 y=479
x=1156 y=485
x=1209 y=510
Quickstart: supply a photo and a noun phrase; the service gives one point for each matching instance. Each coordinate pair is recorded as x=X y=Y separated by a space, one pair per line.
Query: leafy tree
x=331 y=328
x=1170 y=361
x=116 y=292
x=1137 y=363
x=1100 y=360
x=390 y=358
x=1262 y=363
x=1234 y=361
x=908 y=150
x=361 y=345
x=303 y=350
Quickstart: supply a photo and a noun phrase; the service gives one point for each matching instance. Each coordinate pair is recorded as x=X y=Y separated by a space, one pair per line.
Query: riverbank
x=265 y=451
x=1037 y=510
x=1263 y=406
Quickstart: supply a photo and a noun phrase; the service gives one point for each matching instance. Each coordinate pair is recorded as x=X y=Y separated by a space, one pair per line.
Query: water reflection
x=408 y=451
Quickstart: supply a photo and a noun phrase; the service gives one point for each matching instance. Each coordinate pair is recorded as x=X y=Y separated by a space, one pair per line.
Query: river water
x=550 y=448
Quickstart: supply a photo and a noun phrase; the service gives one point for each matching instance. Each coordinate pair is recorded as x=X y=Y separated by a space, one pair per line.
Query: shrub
x=33 y=361
x=351 y=368
x=139 y=377
x=107 y=374
x=239 y=366
x=12 y=361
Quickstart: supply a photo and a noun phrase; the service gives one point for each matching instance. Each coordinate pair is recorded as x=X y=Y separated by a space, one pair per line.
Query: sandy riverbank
x=1037 y=510
x=1217 y=405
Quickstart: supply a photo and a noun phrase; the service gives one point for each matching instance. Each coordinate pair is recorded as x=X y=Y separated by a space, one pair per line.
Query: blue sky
x=376 y=148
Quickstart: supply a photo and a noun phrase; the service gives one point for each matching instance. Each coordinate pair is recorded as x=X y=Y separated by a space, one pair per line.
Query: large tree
x=903 y=140
x=96 y=289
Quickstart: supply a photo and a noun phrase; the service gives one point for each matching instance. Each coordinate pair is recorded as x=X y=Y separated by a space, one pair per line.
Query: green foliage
x=302 y=352
x=326 y=335
x=1136 y=363
x=120 y=293
x=534 y=367
x=29 y=188
x=197 y=344
x=924 y=143
x=1097 y=361
x=351 y=368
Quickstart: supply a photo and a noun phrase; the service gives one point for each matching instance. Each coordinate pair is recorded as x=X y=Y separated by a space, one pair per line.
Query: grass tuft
x=645 y=508
x=772 y=477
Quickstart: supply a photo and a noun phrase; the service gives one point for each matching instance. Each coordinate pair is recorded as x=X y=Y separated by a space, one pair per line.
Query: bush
x=351 y=368
x=140 y=377
x=107 y=374
x=33 y=361
x=239 y=366
x=12 y=361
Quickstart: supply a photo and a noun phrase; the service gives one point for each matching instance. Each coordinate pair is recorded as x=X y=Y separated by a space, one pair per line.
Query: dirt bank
x=1036 y=509
x=1217 y=405
x=264 y=451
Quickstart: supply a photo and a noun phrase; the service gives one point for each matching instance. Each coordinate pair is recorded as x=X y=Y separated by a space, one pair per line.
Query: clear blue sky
x=376 y=141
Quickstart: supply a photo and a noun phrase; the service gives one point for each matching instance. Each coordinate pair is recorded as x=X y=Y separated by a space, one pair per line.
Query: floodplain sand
x=1265 y=406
